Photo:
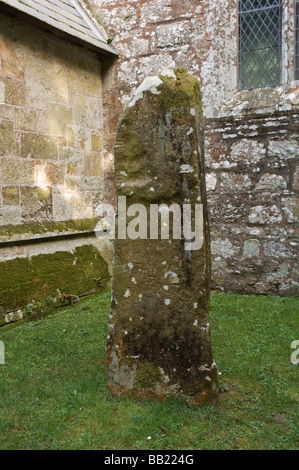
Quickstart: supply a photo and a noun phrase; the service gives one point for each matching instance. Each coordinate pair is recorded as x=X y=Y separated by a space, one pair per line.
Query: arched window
x=260 y=43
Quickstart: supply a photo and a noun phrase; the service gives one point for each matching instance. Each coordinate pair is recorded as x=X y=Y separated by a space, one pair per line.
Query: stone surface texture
x=51 y=168
x=51 y=127
x=251 y=136
x=60 y=106
x=159 y=335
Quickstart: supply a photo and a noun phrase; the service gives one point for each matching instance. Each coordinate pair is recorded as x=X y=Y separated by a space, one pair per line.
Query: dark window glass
x=260 y=35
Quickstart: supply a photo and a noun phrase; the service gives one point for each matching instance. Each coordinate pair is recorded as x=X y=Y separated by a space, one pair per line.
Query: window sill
x=294 y=86
x=262 y=101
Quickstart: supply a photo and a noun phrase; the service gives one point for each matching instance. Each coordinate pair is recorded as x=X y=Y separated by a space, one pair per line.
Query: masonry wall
x=59 y=109
x=51 y=127
x=252 y=182
x=251 y=137
x=51 y=165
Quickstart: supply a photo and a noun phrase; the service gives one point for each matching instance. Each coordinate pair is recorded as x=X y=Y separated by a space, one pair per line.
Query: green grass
x=54 y=395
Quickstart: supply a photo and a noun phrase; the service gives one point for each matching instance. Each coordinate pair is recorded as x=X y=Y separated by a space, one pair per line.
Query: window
x=297 y=39
x=260 y=43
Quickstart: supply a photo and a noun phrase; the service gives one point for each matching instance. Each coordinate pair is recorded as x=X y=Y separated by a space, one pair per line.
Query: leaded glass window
x=260 y=40
x=297 y=39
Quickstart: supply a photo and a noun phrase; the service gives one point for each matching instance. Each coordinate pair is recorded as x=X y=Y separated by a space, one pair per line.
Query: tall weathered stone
x=159 y=335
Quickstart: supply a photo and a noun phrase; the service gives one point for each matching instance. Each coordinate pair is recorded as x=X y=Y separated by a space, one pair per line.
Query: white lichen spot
x=131 y=266
x=127 y=293
x=152 y=189
x=203 y=368
x=173 y=276
x=140 y=297
x=192 y=111
x=166 y=379
x=167 y=302
x=165 y=288
x=195 y=305
x=133 y=280
x=195 y=323
x=186 y=169
x=168 y=73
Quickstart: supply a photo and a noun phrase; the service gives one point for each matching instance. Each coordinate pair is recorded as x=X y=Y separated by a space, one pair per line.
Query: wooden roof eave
x=42 y=22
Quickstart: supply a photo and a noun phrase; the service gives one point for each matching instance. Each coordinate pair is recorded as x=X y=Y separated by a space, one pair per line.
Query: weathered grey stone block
x=251 y=248
x=283 y=149
x=265 y=215
x=290 y=207
x=272 y=182
x=14 y=316
x=173 y=35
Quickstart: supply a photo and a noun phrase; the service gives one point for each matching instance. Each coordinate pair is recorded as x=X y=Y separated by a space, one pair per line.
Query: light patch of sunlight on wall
x=41 y=177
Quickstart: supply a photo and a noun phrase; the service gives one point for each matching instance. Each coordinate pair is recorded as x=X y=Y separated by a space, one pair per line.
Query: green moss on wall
x=148 y=376
x=82 y=225
x=43 y=194
x=23 y=280
x=180 y=93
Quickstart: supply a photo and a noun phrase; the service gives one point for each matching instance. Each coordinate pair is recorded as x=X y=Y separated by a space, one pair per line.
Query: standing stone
x=159 y=335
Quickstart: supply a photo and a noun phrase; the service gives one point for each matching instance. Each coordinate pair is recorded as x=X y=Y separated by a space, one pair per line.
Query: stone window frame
x=289 y=43
x=288 y=52
x=297 y=41
x=221 y=93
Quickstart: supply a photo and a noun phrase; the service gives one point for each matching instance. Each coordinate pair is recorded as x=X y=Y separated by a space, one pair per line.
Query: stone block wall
x=51 y=128
x=60 y=107
x=151 y=35
x=252 y=183
x=251 y=137
x=51 y=169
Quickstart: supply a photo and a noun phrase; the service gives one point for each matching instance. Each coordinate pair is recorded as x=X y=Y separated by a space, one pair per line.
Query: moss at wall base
x=23 y=280
x=80 y=225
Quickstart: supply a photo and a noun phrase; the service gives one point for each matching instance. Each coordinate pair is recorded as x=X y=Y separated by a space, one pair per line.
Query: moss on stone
x=24 y=280
x=43 y=194
x=2 y=320
x=148 y=376
x=180 y=93
x=81 y=225
x=12 y=325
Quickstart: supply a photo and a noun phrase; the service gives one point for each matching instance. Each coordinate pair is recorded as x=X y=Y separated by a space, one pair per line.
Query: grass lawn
x=54 y=395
